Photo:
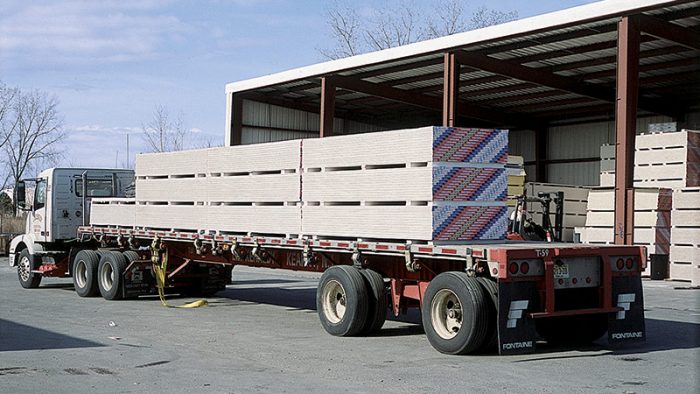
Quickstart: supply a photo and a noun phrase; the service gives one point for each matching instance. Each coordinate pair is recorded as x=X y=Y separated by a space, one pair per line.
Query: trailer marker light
x=495 y=271
x=524 y=267
x=574 y=281
x=588 y=279
x=513 y=268
x=620 y=264
x=561 y=281
x=630 y=263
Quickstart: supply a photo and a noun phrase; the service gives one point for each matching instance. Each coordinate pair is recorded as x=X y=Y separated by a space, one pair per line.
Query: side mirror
x=20 y=195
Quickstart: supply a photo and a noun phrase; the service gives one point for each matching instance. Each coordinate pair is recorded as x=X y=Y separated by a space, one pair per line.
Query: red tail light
x=524 y=267
x=513 y=268
x=630 y=263
x=620 y=264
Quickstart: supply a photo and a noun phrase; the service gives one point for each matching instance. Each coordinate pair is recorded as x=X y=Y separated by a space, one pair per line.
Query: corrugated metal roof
x=579 y=44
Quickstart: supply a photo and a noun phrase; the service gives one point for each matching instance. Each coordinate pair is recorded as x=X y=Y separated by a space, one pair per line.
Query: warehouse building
x=565 y=84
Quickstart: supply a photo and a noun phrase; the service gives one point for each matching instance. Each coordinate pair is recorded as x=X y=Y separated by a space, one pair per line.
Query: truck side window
x=95 y=187
x=40 y=194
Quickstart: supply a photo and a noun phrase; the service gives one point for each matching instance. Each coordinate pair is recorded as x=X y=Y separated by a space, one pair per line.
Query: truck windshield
x=95 y=187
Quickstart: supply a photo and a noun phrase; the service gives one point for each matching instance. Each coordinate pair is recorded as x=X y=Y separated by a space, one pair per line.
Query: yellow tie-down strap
x=160 y=270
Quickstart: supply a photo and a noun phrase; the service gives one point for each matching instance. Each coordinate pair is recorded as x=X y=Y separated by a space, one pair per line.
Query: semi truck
x=503 y=296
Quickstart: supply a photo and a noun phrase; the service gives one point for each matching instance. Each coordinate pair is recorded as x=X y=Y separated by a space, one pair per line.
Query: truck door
x=39 y=220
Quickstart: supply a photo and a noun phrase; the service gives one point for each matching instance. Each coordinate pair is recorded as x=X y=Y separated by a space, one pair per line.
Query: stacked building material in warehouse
x=515 y=169
x=652 y=219
x=427 y=184
x=685 y=235
x=607 y=165
x=575 y=205
x=661 y=159
x=241 y=189
x=431 y=184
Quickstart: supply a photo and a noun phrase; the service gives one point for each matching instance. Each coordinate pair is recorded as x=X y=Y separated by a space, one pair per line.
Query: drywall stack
x=429 y=184
x=652 y=219
x=575 y=205
x=685 y=235
x=515 y=170
x=607 y=165
x=118 y=212
x=242 y=189
x=668 y=159
x=433 y=183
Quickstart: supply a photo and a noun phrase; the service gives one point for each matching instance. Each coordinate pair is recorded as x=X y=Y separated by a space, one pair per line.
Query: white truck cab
x=61 y=204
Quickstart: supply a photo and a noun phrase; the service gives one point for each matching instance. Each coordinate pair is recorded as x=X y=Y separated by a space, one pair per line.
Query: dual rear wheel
x=101 y=273
x=351 y=301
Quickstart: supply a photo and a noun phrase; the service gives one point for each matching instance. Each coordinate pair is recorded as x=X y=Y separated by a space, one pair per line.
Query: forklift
x=522 y=227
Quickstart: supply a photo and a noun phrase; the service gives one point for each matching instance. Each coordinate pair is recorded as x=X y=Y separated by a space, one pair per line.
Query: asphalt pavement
x=262 y=335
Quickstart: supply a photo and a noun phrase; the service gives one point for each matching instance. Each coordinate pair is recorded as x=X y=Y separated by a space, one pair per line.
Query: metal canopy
x=529 y=79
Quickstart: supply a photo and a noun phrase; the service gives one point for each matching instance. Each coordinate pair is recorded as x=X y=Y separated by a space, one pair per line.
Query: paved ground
x=262 y=335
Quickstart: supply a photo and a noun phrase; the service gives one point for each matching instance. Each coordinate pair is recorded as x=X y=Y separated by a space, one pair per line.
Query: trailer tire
x=377 y=303
x=131 y=256
x=342 y=301
x=110 y=275
x=25 y=265
x=572 y=330
x=491 y=289
x=84 y=271
x=453 y=313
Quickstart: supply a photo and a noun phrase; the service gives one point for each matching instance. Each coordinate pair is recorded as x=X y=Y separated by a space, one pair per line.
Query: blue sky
x=110 y=62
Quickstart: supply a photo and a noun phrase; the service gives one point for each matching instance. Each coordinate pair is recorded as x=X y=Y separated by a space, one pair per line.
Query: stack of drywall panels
x=685 y=235
x=242 y=189
x=607 y=165
x=117 y=212
x=575 y=205
x=515 y=169
x=652 y=219
x=669 y=160
x=432 y=184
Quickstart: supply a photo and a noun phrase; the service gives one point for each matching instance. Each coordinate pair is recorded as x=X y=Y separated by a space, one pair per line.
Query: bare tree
x=33 y=128
x=163 y=133
x=7 y=100
x=401 y=23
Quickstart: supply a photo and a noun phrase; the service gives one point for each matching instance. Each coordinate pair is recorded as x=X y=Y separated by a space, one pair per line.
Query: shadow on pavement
x=15 y=336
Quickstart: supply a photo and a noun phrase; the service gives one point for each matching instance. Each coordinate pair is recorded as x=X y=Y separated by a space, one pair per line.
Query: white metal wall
x=266 y=123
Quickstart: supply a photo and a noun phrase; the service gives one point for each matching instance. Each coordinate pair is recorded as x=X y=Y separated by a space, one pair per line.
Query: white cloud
x=86 y=31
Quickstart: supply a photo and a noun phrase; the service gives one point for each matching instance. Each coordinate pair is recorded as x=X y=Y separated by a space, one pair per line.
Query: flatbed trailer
x=473 y=297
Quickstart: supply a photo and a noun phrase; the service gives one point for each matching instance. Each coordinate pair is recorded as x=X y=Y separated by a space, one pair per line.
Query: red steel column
x=327 y=106
x=450 y=95
x=626 y=127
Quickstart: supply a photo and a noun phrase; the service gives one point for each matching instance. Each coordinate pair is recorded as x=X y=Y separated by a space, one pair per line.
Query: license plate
x=561 y=271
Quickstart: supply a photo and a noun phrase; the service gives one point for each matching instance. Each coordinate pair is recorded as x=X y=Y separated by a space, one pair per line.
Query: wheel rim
x=333 y=301
x=107 y=277
x=446 y=314
x=80 y=274
x=24 y=268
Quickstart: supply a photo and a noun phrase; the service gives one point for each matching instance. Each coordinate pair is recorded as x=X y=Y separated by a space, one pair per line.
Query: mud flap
x=516 y=331
x=139 y=280
x=627 y=325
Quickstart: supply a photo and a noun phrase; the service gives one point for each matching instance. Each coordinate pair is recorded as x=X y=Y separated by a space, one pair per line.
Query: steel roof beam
x=432 y=102
x=659 y=28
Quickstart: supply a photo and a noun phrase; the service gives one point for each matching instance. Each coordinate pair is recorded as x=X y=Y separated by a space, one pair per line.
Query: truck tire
x=131 y=256
x=377 y=302
x=342 y=301
x=491 y=289
x=109 y=275
x=572 y=330
x=25 y=265
x=85 y=273
x=453 y=313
